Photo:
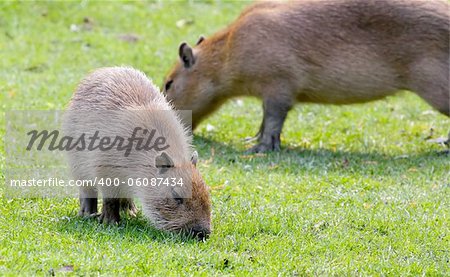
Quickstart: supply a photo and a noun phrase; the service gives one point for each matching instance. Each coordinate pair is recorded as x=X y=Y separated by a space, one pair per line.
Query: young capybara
x=318 y=51
x=122 y=101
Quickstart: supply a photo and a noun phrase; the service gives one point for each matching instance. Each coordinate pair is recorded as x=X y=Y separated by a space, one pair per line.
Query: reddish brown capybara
x=318 y=51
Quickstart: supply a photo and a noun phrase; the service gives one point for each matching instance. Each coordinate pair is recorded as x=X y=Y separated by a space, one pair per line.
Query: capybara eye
x=164 y=166
x=168 y=85
x=179 y=201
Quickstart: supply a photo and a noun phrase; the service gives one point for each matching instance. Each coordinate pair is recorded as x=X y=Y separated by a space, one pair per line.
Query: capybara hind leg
x=88 y=201
x=431 y=82
x=437 y=97
x=110 y=211
x=127 y=205
x=275 y=112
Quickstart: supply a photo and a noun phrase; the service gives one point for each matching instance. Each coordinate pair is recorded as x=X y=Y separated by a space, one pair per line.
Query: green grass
x=356 y=189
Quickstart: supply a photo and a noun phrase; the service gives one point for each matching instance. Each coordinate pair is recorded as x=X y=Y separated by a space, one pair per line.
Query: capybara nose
x=200 y=233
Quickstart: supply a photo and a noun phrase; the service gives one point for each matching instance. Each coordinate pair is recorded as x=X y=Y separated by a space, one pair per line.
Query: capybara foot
x=108 y=218
x=110 y=211
x=264 y=147
x=269 y=141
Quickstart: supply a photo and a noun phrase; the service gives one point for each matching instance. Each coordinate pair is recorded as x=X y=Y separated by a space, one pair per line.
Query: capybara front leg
x=275 y=113
x=88 y=201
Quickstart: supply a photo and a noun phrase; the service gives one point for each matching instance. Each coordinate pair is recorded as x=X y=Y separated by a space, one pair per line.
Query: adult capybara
x=318 y=51
x=123 y=102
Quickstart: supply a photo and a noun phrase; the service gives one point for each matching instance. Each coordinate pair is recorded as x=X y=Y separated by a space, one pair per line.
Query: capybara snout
x=175 y=212
x=200 y=233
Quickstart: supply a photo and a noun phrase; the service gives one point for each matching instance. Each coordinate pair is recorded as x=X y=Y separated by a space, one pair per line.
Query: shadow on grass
x=293 y=159
x=136 y=229
x=288 y=161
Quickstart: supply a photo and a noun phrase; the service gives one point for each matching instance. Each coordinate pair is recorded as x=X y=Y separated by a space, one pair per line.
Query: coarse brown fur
x=115 y=101
x=317 y=51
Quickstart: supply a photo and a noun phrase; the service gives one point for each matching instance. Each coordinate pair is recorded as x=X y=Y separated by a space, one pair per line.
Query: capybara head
x=183 y=209
x=191 y=85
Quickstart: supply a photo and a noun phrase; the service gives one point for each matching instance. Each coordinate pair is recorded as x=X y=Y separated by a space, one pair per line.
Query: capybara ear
x=163 y=162
x=186 y=55
x=200 y=40
x=194 y=158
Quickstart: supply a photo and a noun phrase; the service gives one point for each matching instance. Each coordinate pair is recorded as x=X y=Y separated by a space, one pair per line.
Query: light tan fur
x=318 y=51
x=115 y=101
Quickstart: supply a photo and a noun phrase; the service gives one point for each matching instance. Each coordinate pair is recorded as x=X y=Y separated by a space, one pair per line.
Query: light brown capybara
x=318 y=51
x=117 y=100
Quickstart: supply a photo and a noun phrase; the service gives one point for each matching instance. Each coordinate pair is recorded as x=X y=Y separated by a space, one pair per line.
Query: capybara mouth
x=198 y=233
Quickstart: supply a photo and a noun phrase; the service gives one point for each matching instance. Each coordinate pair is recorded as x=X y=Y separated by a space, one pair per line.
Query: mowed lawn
x=356 y=190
